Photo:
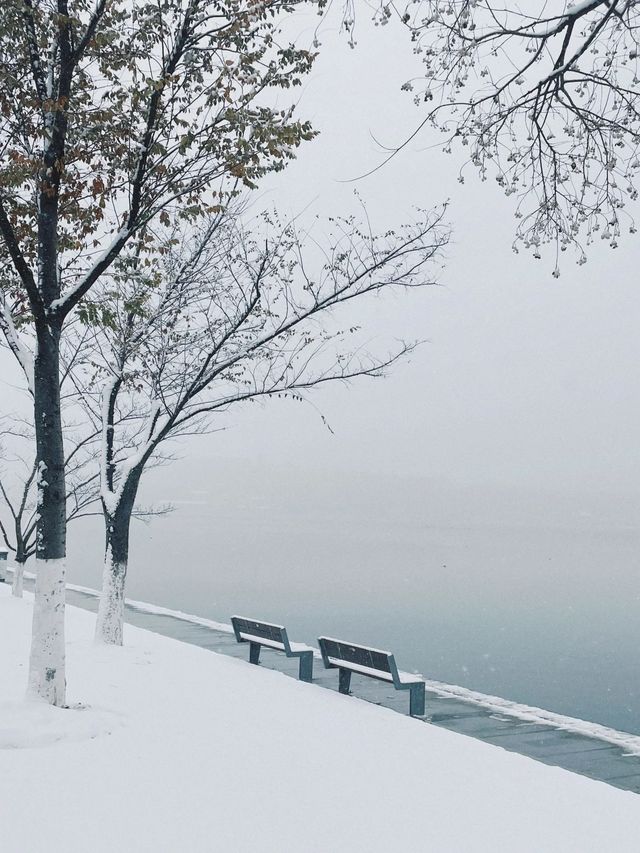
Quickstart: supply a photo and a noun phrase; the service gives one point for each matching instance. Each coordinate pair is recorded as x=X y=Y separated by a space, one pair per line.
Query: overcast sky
x=526 y=380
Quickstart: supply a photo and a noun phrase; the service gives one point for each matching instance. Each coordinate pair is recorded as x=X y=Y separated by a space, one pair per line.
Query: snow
x=302 y=647
x=176 y=748
x=405 y=677
x=14 y=341
x=272 y=644
x=365 y=670
x=581 y=7
x=630 y=743
x=119 y=238
x=557 y=22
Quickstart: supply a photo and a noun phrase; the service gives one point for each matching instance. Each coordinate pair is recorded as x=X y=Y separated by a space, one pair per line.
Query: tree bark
x=109 y=623
x=47 y=660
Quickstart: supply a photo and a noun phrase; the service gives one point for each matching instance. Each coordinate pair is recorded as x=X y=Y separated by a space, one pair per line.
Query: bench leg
x=416 y=701
x=254 y=652
x=305 y=673
x=344 y=680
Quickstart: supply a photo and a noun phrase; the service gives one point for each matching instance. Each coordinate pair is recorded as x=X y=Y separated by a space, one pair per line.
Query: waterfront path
x=596 y=757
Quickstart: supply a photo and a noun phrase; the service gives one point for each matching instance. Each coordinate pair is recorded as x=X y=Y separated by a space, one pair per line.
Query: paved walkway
x=588 y=756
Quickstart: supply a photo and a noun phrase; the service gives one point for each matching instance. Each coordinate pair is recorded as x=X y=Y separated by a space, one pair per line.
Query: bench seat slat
x=364 y=670
x=403 y=677
x=263 y=641
x=273 y=644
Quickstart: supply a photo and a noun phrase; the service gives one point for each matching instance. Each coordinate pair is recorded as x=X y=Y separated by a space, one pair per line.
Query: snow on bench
x=259 y=634
x=374 y=663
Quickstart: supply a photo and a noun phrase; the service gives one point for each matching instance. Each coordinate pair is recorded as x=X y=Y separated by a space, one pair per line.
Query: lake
x=534 y=598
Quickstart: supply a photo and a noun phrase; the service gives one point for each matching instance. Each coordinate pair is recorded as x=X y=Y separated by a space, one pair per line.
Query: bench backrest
x=360 y=656
x=247 y=629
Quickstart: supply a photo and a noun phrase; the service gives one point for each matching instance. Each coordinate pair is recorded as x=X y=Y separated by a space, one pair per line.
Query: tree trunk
x=47 y=661
x=109 y=623
x=18 y=577
x=111 y=607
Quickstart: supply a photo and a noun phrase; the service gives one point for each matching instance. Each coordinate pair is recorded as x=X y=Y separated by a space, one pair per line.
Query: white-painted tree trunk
x=111 y=607
x=47 y=661
x=18 y=579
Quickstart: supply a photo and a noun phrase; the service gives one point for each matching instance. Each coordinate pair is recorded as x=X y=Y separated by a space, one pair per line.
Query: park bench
x=259 y=634
x=349 y=658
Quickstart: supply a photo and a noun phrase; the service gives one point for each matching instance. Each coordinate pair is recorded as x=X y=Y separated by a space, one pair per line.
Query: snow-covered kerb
x=629 y=742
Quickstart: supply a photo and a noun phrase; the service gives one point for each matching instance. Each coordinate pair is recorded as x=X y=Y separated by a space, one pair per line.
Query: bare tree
x=116 y=113
x=545 y=98
x=18 y=498
x=221 y=318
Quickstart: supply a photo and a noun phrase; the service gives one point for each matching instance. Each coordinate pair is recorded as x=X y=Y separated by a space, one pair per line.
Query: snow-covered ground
x=172 y=748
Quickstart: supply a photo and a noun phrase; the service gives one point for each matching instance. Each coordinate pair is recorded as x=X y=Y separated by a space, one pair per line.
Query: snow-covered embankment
x=175 y=748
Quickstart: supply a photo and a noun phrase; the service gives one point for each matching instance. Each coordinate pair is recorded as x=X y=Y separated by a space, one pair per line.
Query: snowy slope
x=178 y=749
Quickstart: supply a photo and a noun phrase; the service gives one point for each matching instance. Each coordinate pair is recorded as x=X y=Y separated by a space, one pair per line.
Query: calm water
x=535 y=600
